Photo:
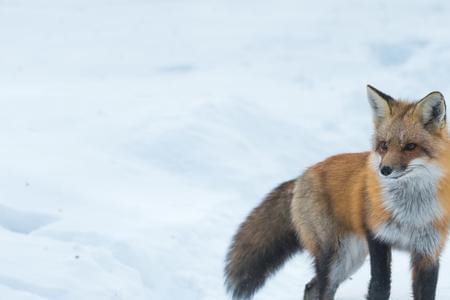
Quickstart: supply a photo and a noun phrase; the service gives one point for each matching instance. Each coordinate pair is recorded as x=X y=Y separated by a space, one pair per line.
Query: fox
x=348 y=206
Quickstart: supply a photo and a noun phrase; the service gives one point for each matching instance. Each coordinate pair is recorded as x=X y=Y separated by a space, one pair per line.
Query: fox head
x=408 y=135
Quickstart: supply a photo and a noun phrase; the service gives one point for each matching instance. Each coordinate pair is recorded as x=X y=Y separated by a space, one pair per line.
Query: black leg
x=425 y=277
x=311 y=290
x=323 y=265
x=380 y=269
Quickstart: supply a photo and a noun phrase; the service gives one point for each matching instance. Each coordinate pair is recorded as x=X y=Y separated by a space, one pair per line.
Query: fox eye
x=410 y=147
x=383 y=146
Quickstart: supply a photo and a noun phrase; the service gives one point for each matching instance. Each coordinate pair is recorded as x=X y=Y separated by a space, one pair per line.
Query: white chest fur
x=412 y=201
x=422 y=240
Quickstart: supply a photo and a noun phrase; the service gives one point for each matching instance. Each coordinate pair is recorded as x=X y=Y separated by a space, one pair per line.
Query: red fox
x=350 y=205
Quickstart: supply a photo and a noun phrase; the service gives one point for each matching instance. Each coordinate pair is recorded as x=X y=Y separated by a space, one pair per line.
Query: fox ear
x=431 y=111
x=380 y=103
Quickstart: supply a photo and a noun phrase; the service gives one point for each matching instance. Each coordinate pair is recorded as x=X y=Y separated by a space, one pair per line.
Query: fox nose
x=386 y=170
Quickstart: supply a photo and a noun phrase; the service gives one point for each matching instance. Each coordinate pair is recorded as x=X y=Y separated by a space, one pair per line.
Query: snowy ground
x=136 y=135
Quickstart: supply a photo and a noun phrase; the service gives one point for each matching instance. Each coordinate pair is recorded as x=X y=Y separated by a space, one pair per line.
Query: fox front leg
x=425 y=277
x=380 y=269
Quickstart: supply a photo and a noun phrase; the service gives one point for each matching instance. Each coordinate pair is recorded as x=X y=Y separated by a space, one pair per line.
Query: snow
x=136 y=135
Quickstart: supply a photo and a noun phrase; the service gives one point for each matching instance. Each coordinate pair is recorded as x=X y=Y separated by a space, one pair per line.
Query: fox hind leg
x=320 y=287
x=338 y=253
x=335 y=266
x=311 y=290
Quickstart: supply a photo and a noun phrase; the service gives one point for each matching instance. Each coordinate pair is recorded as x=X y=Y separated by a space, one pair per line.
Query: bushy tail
x=262 y=244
